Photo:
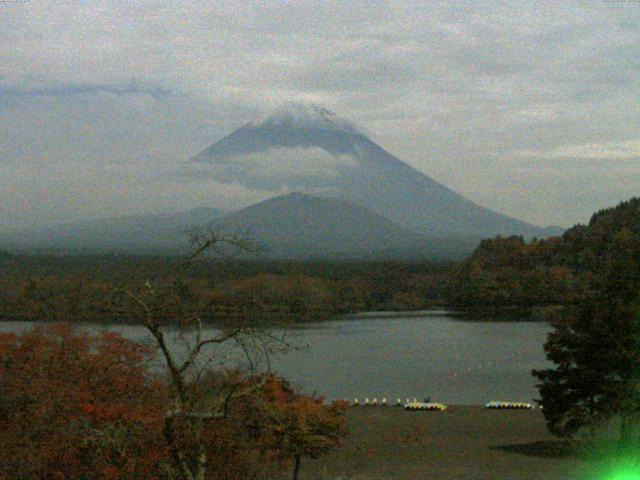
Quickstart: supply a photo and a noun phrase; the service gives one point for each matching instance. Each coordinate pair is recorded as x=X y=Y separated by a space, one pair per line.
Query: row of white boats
x=510 y=405
x=414 y=404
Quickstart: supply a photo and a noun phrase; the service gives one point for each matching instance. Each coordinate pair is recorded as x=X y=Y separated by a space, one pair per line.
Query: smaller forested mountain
x=559 y=270
x=4 y=255
x=302 y=226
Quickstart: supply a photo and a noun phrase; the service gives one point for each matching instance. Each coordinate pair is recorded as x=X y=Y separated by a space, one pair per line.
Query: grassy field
x=463 y=442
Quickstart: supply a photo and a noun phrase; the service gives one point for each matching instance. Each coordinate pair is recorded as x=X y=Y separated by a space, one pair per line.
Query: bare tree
x=212 y=239
x=193 y=407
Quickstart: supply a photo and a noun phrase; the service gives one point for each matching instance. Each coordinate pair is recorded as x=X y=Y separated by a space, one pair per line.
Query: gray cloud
x=94 y=96
x=71 y=89
x=279 y=169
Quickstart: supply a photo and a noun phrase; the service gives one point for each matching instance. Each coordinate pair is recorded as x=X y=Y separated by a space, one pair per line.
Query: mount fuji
x=309 y=149
x=332 y=193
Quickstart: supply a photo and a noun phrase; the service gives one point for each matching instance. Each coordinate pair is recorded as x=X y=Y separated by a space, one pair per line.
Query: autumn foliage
x=271 y=433
x=74 y=406
x=300 y=426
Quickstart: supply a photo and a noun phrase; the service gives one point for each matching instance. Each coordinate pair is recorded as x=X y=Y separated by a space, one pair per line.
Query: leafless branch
x=193 y=403
x=203 y=238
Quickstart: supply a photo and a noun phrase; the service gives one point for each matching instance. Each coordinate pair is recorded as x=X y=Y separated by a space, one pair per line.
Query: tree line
x=595 y=344
x=508 y=272
x=77 y=289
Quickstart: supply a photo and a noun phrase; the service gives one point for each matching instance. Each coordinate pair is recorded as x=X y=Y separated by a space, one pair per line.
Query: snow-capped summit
x=304 y=115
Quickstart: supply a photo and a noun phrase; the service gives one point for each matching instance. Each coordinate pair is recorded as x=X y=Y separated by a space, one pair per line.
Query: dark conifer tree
x=596 y=353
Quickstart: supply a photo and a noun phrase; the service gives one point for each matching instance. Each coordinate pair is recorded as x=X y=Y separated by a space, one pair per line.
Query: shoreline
x=460 y=315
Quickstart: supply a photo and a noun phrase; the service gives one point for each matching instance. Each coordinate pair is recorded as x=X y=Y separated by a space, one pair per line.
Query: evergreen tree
x=597 y=372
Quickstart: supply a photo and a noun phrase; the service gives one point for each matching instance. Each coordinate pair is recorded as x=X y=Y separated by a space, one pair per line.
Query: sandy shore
x=462 y=442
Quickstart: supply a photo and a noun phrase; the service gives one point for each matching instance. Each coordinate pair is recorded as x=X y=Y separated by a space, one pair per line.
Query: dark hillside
x=505 y=272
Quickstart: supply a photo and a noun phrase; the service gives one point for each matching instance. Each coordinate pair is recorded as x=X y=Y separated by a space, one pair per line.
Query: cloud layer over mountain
x=291 y=169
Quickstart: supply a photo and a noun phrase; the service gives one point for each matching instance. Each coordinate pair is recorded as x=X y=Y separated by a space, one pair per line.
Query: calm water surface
x=433 y=354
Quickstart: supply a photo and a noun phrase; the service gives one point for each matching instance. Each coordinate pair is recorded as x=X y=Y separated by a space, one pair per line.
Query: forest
x=503 y=273
x=73 y=405
x=88 y=288
x=559 y=271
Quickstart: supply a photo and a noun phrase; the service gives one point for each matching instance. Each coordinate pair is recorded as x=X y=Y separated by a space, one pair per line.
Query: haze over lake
x=451 y=360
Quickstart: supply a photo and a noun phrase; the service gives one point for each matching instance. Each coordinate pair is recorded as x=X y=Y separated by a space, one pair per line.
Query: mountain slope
x=310 y=149
x=298 y=225
x=162 y=233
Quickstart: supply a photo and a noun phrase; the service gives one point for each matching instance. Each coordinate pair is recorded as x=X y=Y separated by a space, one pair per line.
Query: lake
x=430 y=354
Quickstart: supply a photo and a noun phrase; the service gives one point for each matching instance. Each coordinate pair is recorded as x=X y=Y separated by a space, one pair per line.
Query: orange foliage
x=265 y=432
x=73 y=406
x=301 y=425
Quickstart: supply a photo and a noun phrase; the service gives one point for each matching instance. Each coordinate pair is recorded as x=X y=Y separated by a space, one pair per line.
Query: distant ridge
x=308 y=148
x=139 y=234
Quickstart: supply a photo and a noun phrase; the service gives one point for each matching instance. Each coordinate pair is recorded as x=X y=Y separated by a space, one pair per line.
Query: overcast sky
x=529 y=108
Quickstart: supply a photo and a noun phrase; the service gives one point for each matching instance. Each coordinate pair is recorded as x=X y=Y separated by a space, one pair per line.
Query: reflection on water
x=434 y=355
